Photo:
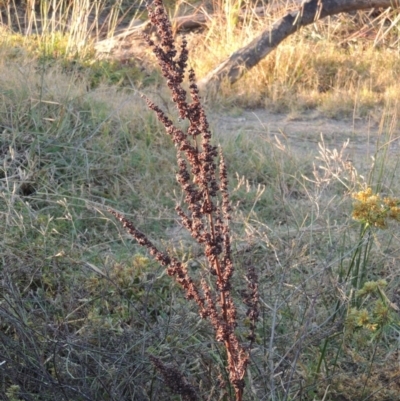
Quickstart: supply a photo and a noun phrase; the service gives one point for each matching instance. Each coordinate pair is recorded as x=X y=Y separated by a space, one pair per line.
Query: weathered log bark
x=310 y=11
x=122 y=45
x=182 y=23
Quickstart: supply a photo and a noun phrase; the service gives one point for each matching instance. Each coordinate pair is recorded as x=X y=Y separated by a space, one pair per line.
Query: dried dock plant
x=206 y=210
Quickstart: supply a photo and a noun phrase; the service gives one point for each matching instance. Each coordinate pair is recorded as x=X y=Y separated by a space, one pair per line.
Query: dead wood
x=310 y=11
x=130 y=40
x=123 y=44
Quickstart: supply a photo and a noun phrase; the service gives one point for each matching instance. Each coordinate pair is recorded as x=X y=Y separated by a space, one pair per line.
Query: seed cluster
x=174 y=380
x=206 y=209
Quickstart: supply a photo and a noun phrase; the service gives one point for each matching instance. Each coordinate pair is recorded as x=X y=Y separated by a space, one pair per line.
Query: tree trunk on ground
x=128 y=41
x=311 y=10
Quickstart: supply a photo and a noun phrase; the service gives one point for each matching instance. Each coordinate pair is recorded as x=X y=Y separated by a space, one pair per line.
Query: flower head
x=371 y=209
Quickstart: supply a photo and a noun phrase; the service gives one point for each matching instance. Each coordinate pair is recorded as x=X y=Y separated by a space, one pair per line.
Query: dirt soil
x=302 y=133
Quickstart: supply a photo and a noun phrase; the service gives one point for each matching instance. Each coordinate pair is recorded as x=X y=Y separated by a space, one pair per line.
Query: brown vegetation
x=207 y=203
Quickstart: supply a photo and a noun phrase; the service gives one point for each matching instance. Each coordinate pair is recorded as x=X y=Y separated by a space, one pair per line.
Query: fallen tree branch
x=310 y=11
x=197 y=20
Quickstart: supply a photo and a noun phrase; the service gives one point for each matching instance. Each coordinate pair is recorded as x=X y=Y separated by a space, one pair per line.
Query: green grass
x=82 y=307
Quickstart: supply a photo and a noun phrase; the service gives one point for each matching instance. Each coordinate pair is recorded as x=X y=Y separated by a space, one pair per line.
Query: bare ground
x=302 y=133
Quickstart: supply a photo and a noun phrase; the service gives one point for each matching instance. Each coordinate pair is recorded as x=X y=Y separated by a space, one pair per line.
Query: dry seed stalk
x=207 y=212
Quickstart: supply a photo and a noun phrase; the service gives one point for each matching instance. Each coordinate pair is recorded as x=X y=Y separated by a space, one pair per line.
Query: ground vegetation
x=87 y=314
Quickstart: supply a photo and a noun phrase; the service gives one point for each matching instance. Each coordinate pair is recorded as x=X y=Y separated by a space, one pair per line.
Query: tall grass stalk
x=79 y=23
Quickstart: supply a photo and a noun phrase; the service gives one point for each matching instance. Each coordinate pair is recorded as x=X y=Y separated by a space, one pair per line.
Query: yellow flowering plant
x=375 y=311
x=368 y=311
x=373 y=211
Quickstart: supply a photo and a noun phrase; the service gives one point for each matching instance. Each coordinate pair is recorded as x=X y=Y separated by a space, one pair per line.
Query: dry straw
x=206 y=210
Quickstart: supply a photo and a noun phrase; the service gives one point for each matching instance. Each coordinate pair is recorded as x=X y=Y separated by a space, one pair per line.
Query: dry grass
x=336 y=66
x=82 y=308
